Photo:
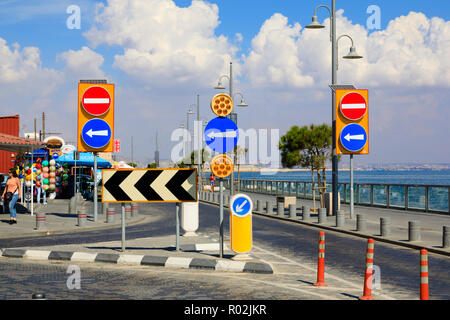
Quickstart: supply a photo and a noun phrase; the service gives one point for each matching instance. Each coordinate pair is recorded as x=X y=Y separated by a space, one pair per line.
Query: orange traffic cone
x=321 y=262
x=367 y=294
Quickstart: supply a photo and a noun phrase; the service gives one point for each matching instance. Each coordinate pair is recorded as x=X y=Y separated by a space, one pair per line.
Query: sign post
x=95 y=122
x=352 y=127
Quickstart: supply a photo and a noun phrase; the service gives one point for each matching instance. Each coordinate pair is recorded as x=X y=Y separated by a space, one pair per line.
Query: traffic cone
x=424 y=294
x=367 y=294
x=321 y=262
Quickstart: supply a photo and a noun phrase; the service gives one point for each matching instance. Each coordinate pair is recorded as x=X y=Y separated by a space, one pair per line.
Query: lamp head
x=353 y=54
x=315 y=24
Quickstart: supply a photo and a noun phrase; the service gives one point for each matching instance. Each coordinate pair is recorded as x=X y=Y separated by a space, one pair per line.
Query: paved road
x=290 y=248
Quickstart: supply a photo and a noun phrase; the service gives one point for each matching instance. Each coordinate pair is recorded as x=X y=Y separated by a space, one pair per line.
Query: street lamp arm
x=331 y=19
x=345 y=35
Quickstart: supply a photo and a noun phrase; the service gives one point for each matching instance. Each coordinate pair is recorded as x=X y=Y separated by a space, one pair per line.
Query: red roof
x=18 y=144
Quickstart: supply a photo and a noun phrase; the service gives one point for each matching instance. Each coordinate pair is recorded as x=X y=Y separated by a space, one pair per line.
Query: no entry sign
x=353 y=106
x=96 y=101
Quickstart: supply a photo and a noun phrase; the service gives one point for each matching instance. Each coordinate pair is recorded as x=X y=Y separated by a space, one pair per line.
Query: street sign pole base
x=241 y=257
x=190 y=234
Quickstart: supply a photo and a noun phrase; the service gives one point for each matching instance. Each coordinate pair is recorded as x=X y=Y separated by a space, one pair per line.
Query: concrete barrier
x=322 y=216
x=361 y=223
x=306 y=213
x=269 y=208
x=293 y=211
x=385 y=226
x=82 y=217
x=445 y=237
x=414 y=230
x=40 y=220
x=110 y=215
x=340 y=219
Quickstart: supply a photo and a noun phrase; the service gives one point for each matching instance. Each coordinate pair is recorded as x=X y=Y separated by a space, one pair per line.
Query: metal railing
x=425 y=198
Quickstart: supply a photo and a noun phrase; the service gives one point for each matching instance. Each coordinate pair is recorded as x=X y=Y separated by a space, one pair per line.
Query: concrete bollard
x=259 y=206
x=40 y=220
x=82 y=217
x=105 y=207
x=322 y=216
x=280 y=209
x=306 y=213
x=385 y=226
x=445 y=236
x=269 y=208
x=110 y=215
x=127 y=212
x=361 y=223
x=413 y=230
x=340 y=219
x=134 y=209
x=293 y=211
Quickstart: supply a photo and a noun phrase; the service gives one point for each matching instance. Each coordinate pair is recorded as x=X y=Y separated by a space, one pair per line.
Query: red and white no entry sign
x=353 y=106
x=96 y=101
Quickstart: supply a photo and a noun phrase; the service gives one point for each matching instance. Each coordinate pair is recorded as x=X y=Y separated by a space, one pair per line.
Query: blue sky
x=169 y=51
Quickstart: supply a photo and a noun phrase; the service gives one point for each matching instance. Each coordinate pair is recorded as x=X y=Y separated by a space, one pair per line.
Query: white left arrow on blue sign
x=96 y=133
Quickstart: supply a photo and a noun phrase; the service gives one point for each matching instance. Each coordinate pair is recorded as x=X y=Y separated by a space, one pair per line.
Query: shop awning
x=86 y=160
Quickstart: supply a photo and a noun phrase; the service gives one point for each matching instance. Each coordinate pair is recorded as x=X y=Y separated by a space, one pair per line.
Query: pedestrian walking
x=12 y=193
x=212 y=181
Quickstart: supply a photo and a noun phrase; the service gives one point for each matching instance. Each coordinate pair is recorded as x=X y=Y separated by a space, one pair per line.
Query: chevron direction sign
x=149 y=185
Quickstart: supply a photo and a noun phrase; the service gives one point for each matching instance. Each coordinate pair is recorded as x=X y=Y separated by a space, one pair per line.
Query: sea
x=412 y=177
x=438 y=180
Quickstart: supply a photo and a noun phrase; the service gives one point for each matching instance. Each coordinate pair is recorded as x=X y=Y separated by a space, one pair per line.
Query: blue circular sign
x=241 y=205
x=221 y=134
x=353 y=137
x=55 y=156
x=96 y=133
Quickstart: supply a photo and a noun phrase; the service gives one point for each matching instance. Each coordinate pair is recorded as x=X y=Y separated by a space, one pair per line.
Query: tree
x=151 y=165
x=308 y=147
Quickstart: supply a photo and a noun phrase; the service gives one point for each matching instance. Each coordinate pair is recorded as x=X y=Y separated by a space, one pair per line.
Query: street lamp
x=232 y=115
x=334 y=62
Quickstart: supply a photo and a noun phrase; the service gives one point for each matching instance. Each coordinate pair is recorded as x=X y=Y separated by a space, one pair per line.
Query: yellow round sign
x=222 y=105
x=221 y=166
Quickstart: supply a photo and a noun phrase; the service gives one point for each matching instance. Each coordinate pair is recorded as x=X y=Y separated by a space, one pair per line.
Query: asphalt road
x=290 y=243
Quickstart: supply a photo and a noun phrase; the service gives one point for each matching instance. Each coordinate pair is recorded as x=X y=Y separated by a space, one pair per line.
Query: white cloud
x=83 y=64
x=274 y=59
x=163 y=43
x=412 y=51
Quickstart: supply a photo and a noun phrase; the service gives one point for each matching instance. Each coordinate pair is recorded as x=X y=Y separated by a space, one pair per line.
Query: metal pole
x=199 y=140
x=32 y=173
x=221 y=215
x=231 y=96
x=95 y=187
x=177 y=213
x=75 y=180
x=123 y=227
x=352 y=200
x=333 y=111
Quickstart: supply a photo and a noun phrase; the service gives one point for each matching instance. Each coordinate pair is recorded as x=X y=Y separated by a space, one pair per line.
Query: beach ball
x=52 y=169
x=45 y=181
x=52 y=175
x=28 y=171
x=45 y=175
x=45 y=187
x=65 y=176
x=52 y=162
x=38 y=165
x=45 y=163
x=52 y=180
x=52 y=187
x=28 y=184
x=38 y=184
x=20 y=176
x=45 y=169
x=38 y=172
x=38 y=160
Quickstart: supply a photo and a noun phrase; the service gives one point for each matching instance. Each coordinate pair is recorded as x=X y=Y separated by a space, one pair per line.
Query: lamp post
x=352 y=55
x=187 y=128
x=232 y=115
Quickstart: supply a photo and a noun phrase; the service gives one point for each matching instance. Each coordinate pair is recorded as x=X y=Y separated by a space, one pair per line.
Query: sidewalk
x=198 y=252
x=431 y=225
